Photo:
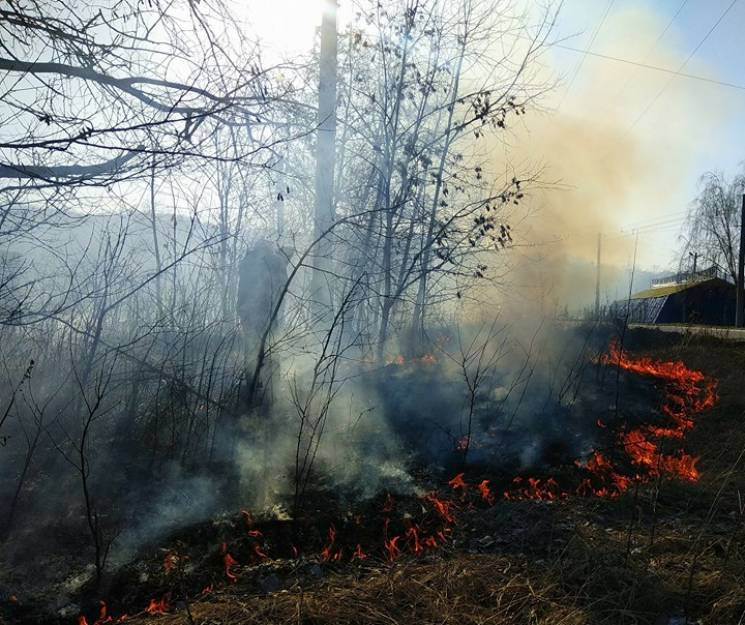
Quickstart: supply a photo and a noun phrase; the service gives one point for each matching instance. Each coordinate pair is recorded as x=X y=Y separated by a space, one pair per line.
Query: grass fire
x=372 y=312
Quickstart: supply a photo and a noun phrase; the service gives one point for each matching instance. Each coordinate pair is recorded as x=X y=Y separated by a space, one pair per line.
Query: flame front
x=687 y=392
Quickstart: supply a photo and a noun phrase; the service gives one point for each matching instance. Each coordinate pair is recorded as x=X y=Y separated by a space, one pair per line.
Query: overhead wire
x=685 y=62
x=586 y=51
x=652 y=48
x=657 y=68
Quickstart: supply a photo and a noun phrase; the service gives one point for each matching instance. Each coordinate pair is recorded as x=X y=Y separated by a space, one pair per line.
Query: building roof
x=664 y=291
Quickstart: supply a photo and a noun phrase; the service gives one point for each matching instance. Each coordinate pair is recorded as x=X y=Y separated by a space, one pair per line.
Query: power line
x=649 y=51
x=688 y=58
x=587 y=49
x=657 y=68
x=611 y=236
x=667 y=27
x=662 y=217
x=660 y=222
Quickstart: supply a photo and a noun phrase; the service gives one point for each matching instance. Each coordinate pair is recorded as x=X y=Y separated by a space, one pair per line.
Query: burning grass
x=587 y=582
x=625 y=535
x=468 y=589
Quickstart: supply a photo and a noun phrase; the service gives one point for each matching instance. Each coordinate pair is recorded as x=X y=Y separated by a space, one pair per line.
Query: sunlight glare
x=287 y=27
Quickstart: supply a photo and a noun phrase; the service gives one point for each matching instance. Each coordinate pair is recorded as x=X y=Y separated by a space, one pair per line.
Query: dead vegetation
x=665 y=551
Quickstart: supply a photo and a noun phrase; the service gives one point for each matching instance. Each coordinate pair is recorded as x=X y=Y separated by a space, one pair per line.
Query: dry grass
x=666 y=550
x=671 y=549
x=464 y=590
x=590 y=582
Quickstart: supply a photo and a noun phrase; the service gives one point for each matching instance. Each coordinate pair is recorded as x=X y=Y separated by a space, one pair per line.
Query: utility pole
x=695 y=262
x=325 y=155
x=597 y=281
x=740 y=299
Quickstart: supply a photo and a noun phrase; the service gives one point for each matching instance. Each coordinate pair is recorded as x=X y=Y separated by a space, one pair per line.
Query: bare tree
x=476 y=358
x=712 y=229
x=419 y=101
x=77 y=452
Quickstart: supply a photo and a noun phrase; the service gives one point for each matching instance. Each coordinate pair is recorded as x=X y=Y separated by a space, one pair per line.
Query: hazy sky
x=680 y=127
x=628 y=144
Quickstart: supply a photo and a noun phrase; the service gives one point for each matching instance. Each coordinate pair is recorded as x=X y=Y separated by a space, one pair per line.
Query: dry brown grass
x=465 y=590
x=668 y=549
x=604 y=569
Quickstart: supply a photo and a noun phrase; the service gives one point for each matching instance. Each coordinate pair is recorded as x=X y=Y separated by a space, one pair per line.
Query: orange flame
x=228 y=563
x=326 y=551
x=359 y=554
x=259 y=552
x=442 y=506
x=158 y=607
x=457 y=482
x=412 y=533
x=391 y=548
x=485 y=492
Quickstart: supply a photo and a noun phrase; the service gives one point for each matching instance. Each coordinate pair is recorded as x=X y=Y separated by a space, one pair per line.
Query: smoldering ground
x=384 y=422
x=387 y=419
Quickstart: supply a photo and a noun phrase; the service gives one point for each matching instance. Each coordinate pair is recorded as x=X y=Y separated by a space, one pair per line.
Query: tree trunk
x=418 y=314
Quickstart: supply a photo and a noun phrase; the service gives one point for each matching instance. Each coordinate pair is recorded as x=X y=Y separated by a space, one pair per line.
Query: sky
x=679 y=127
x=625 y=145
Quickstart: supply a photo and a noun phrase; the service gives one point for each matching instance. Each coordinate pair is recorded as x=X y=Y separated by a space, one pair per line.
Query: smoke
x=616 y=146
x=178 y=501
x=342 y=440
x=603 y=165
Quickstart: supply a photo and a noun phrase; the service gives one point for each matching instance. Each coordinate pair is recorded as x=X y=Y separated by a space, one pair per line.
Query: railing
x=688 y=276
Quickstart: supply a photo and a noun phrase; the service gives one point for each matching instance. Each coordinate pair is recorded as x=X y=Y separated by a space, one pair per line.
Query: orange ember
x=228 y=563
x=391 y=548
x=158 y=607
x=359 y=554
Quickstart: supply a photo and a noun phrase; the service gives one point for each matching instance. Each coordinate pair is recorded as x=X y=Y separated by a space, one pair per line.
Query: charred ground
x=662 y=548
